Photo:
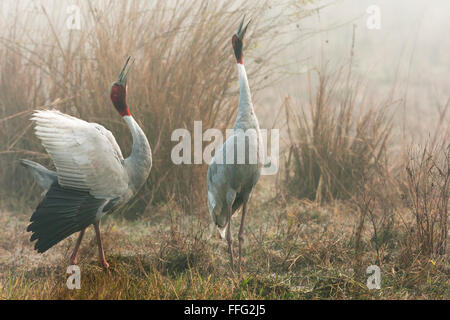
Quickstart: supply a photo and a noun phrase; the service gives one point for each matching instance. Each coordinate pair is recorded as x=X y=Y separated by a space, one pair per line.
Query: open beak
x=122 y=79
x=241 y=32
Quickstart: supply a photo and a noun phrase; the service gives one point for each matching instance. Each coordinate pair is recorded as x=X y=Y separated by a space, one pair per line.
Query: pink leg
x=241 y=233
x=100 y=246
x=73 y=257
x=229 y=237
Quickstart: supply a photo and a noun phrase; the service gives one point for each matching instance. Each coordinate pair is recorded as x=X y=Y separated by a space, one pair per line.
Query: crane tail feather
x=44 y=177
x=62 y=213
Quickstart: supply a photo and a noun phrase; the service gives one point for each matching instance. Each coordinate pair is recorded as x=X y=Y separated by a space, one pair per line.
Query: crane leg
x=229 y=238
x=73 y=257
x=101 y=253
x=241 y=232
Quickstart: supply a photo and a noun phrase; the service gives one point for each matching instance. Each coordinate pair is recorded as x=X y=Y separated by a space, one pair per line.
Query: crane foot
x=105 y=265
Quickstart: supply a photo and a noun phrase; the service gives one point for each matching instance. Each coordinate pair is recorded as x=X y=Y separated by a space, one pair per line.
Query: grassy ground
x=293 y=250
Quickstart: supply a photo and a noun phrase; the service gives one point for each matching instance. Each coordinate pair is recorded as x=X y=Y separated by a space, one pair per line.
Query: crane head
x=118 y=92
x=238 y=39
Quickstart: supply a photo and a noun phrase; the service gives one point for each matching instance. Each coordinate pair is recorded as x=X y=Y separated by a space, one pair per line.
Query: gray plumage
x=232 y=184
x=236 y=166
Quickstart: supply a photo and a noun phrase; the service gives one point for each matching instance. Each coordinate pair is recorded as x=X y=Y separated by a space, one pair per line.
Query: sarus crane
x=92 y=178
x=231 y=174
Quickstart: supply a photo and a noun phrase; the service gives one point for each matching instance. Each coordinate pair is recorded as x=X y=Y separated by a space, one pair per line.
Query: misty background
x=411 y=48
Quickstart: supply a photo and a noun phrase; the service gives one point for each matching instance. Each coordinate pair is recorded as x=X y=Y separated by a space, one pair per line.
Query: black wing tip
x=41 y=249
x=61 y=213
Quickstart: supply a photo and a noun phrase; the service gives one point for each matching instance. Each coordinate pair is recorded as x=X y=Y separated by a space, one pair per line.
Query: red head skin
x=119 y=99
x=237 y=47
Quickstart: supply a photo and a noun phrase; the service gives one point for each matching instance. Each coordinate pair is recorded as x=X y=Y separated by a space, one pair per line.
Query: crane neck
x=139 y=163
x=246 y=114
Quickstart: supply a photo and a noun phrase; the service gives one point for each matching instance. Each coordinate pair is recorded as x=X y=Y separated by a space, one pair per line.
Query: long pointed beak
x=122 y=79
x=241 y=32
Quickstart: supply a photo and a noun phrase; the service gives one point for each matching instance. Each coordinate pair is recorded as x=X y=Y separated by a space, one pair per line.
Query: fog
x=410 y=50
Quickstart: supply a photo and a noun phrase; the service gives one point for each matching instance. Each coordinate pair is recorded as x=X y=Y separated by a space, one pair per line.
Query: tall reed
x=184 y=71
x=336 y=142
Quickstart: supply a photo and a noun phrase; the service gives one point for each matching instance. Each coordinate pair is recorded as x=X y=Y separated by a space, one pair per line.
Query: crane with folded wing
x=232 y=175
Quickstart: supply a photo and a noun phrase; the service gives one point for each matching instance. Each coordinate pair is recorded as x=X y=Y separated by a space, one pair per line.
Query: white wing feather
x=86 y=155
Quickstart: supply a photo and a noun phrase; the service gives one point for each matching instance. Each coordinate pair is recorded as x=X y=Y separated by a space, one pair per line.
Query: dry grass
x=428 y=194
x=338 y=142
x=184 y=71
x=294 y=250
